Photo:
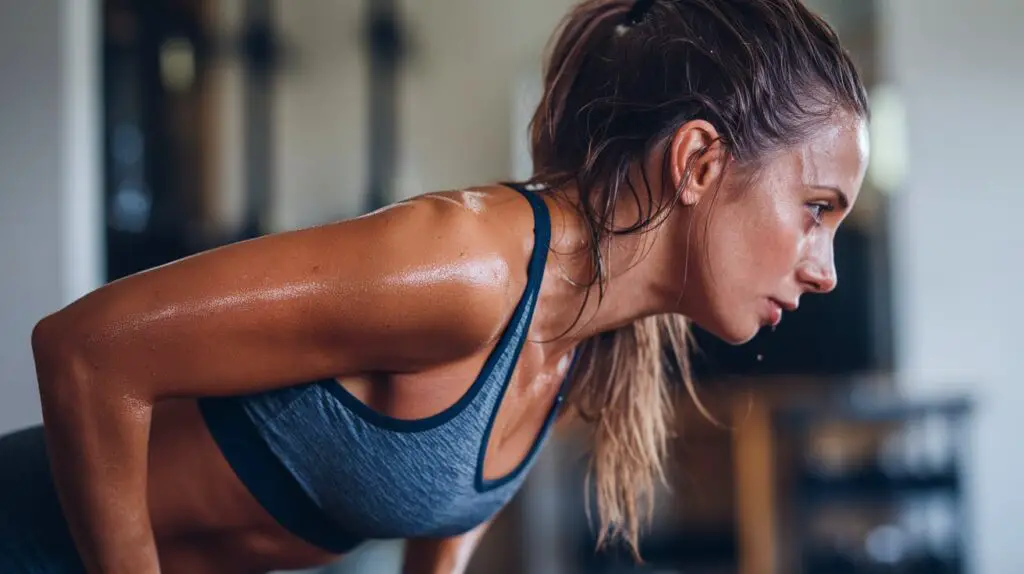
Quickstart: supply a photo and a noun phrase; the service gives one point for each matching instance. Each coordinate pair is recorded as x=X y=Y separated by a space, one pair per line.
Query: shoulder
x=490 y=215
x=445 y=268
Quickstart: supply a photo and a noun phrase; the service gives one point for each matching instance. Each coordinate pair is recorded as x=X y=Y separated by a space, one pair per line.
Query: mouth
x=776 y=307
x=786 y=306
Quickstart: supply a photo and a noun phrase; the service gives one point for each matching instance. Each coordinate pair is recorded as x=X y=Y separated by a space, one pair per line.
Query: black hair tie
x=638 y=11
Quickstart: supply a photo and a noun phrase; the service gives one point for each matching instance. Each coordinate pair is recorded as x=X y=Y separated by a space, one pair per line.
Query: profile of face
x=756 y=244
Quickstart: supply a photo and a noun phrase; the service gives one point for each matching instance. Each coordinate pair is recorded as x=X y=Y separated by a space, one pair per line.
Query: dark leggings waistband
x=267 y=479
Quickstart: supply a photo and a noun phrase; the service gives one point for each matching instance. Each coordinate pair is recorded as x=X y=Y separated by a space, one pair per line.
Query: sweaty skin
x=402 y=306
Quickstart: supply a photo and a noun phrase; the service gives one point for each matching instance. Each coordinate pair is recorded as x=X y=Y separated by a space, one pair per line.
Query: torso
x=205 y=519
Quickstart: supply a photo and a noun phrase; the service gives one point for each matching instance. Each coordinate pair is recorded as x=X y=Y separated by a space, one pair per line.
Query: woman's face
x=764 y=242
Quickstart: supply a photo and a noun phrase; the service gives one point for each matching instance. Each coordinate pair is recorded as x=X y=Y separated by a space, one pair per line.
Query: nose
x=819 y=276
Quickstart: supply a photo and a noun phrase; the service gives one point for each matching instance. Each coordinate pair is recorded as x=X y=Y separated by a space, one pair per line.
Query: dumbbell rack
x=896 y=508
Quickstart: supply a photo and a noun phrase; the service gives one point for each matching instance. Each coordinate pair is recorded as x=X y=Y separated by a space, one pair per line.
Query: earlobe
x=695 y=160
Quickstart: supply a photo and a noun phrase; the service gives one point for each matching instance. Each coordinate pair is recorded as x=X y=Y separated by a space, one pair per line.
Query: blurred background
x=878 y=430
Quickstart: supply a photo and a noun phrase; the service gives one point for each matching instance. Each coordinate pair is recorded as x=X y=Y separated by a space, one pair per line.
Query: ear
x=695 y=146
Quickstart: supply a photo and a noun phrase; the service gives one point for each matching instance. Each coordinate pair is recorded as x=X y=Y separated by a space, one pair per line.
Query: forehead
x=835 y=154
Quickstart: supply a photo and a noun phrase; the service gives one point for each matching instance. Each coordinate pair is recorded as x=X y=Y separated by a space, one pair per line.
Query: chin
x=740 y=339
x=735 y=335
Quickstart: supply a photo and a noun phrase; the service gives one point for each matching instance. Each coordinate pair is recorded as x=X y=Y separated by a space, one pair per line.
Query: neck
x=638 y=269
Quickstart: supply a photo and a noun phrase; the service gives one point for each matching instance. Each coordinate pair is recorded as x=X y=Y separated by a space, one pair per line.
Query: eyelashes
x=818 y=210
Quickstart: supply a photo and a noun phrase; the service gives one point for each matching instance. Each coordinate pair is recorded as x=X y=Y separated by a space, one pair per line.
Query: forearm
x=97 y=438
x=430 y=557
x=442 y=556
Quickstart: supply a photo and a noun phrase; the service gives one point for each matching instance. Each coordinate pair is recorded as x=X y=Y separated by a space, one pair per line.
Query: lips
x=786 y=305
x=777 y=307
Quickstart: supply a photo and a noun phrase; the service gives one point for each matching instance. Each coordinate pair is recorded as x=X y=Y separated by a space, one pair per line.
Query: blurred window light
x=886 y=544
x=888 y=131
x=177 y=64
x=128 y=144
x=130 y=210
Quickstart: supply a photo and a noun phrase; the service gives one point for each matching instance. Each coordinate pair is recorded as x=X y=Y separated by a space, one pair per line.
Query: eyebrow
x=844 y=200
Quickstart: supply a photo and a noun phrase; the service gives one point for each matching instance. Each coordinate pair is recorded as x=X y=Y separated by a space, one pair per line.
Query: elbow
x=55 y=334
x=50 y=347
x=58 y=352
x=47 y=340
x=77 y=359
x=69 y=383
x=81 y=395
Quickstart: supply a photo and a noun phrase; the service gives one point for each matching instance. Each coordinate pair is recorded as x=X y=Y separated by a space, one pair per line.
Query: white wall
x=959 y=239
x=225 y=79
x=459 y=106
x=319 y=114
x=455 y=104
x=49 y=179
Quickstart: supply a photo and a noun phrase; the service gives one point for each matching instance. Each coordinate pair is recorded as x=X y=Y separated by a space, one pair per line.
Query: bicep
x=350 y=297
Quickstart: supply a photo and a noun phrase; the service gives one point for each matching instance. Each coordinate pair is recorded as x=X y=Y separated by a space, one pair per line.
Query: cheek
x=779 y=248
x=761 y=247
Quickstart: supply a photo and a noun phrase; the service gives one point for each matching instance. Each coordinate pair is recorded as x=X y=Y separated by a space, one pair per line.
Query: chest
x=522 y=409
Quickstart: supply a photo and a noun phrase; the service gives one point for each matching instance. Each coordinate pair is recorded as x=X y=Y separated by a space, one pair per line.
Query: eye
x=819 y=209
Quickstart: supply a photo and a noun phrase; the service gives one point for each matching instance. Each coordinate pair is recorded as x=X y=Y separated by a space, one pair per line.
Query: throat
x=636 y=281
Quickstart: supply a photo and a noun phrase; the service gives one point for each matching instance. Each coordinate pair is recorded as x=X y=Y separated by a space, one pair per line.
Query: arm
x=442 y=555
x=339 y=299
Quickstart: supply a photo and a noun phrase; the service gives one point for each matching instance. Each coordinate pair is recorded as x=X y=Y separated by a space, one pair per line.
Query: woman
x=273 y=403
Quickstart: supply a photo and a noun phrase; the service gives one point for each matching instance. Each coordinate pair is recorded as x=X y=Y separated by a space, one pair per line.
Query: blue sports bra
x=335 y=472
